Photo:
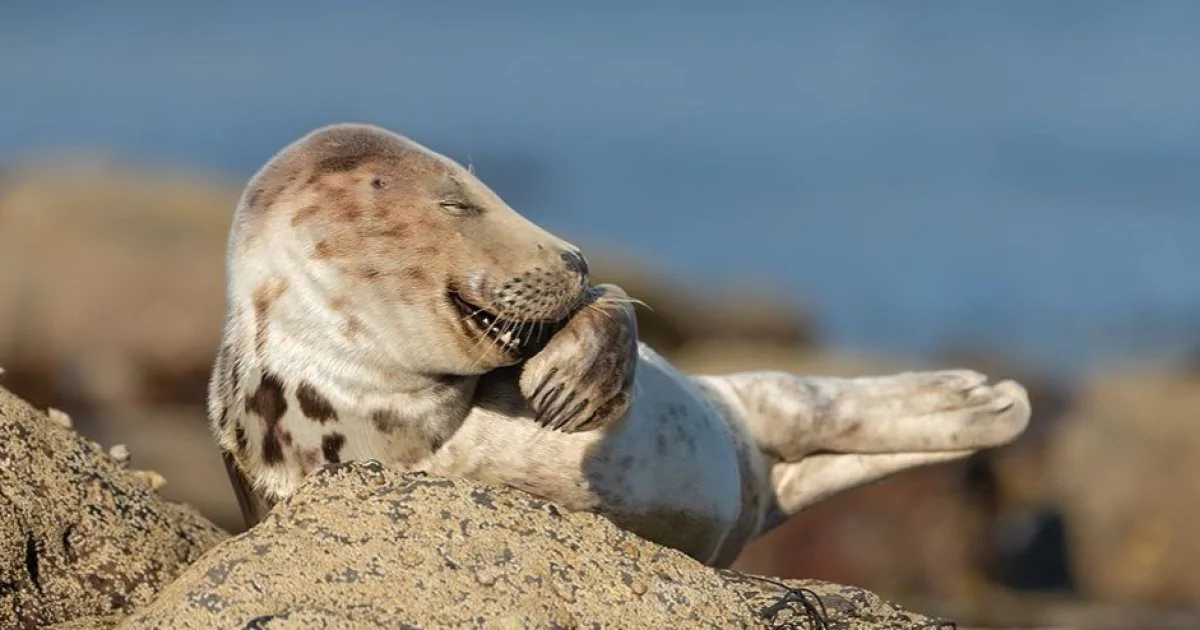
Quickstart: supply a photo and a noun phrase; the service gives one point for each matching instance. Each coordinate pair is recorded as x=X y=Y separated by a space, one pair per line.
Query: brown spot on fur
x=435 y=443
x=322 y=250
x=685 y=437
x=420 y=442
x=264 y=195
x=270 y=404
x=385 y=420
x=396 y=230
x=304 y=214
x=264 y=296
x=340 y=163
x=253 y=197
x=351 y=327
x=331 y=447
x=314 y=405
x=415 y=275
x=367 y=273
x=310 y=458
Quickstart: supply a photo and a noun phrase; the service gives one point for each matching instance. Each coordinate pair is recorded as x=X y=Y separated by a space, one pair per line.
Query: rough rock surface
x=86 y=543
x=82 y=539
x=361 y=546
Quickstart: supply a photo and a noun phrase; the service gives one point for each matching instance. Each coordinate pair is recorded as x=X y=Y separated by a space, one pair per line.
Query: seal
x=383 y=303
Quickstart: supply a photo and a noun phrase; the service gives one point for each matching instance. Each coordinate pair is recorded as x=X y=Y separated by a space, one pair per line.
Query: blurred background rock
x=828 y=189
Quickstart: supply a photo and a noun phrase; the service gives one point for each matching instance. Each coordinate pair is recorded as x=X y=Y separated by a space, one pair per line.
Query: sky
x=1018 y=175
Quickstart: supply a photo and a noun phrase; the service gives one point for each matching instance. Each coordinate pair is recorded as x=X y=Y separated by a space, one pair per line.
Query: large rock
x=82 y=539
x=361 y=546
x=84 y=542
x=113 y=281
x=1126 y=468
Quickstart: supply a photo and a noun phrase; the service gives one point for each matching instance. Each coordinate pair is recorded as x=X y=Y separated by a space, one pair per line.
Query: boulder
x=87 y=543
x=362 y=546
x=82 y=539
x=1125 y=466
x=113 y=277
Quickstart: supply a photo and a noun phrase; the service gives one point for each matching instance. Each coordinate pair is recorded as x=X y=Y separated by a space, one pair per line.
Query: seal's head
x=360 y=238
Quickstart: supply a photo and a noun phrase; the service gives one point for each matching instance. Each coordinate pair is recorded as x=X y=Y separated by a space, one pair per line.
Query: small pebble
x=511 y=622
x=58 y=417
x=486 y=576
x=119 y=452
x=151 y=477
x=565 y=591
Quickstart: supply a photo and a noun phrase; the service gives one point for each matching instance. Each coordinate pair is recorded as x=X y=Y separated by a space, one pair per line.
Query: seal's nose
x=575 y=262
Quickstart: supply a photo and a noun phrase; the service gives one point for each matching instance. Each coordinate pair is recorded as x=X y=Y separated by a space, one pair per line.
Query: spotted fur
x=351 y=255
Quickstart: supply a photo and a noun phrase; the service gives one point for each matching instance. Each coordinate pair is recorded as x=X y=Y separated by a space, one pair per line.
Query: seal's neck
x=353 y=377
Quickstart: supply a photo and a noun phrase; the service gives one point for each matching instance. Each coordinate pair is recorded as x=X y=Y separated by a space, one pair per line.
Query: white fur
x=700 y=463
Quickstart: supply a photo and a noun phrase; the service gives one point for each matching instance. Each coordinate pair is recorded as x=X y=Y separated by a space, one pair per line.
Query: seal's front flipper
x=254 y=507
x=583 y=379
x=792 y=417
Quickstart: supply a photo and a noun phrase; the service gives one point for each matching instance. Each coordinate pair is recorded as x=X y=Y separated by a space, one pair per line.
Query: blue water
x=1023 y=175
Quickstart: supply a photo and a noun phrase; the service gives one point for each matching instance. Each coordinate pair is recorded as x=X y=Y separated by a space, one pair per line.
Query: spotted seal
x=385 y=304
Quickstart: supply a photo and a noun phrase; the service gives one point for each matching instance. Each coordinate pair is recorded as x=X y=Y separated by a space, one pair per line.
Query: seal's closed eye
x=461 y=208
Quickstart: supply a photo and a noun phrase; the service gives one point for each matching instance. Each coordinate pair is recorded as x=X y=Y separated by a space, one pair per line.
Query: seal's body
x=384 y=304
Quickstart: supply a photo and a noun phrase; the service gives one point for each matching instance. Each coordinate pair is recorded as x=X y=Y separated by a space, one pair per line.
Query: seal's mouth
x=517 y=338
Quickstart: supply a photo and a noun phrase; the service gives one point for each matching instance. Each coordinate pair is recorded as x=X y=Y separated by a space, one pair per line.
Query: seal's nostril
x=575 y=262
